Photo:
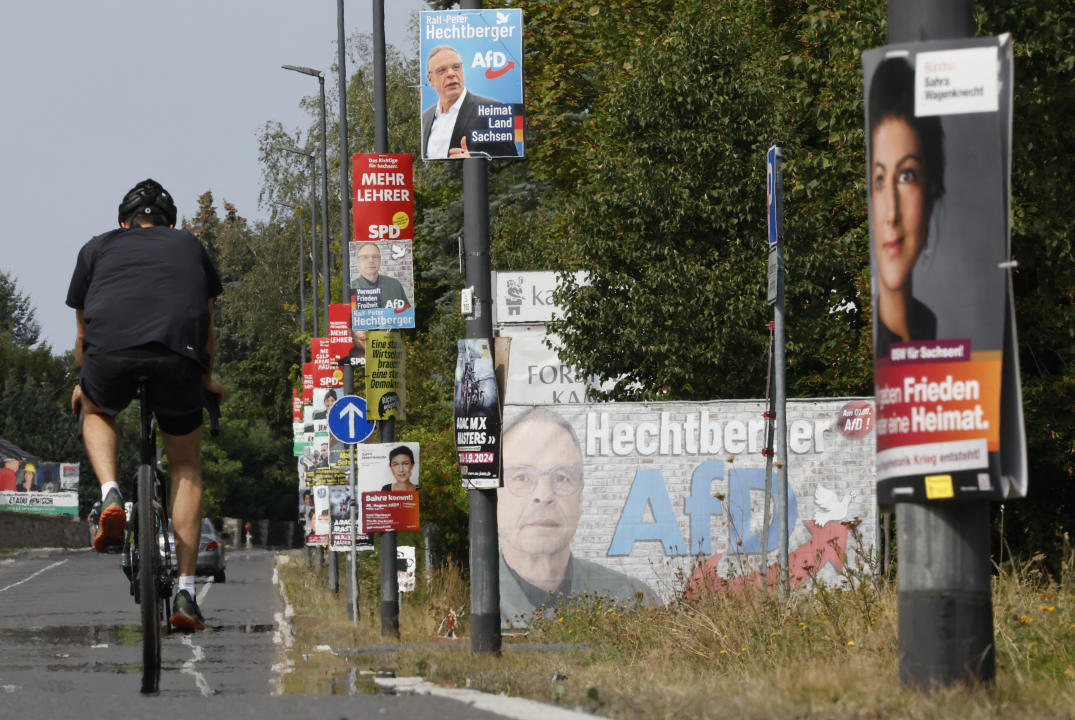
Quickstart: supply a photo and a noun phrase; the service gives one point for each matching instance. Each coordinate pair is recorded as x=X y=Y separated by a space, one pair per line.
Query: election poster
x=326 y=370
x=388 y=479
x=383 y=207
x=643 y=503
x=318 y=531
x=949 y=417
x=472 y=83
x=477 y=415
x=386 y=392
x=340 y=339
x=307 y=382
x=382 y=285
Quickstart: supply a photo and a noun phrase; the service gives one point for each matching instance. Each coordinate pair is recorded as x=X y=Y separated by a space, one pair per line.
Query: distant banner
x=640 y=503
x=386 y=393
x=388 y=482
x=382 y=285
x=938 y=118
x=41 y=503
x=477 y=415
x=472 y=83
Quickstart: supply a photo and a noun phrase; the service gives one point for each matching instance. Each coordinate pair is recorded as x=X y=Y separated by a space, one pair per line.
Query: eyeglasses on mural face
x=523 y=479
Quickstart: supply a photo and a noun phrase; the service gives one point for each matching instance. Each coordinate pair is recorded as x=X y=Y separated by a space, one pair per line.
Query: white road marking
x=31 y=577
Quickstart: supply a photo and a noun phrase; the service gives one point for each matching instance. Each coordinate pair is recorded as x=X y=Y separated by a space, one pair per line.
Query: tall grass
x=827 y=651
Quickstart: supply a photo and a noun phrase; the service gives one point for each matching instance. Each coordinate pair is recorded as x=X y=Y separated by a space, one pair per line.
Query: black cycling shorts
x=173 y=382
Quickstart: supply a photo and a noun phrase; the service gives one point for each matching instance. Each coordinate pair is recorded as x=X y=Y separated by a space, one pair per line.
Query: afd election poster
x=644 y=503
x=938 y=130
x=477 y=415
x=472 y=83
x=382 y=285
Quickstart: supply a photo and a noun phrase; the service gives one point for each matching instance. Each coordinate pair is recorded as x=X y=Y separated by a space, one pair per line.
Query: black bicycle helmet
x=150 y=198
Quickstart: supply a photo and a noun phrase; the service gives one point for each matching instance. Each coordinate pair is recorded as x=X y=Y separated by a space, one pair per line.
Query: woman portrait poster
x=937 y=172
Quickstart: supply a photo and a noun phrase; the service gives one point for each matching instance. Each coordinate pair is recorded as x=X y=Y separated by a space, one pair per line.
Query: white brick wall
x=839 y=463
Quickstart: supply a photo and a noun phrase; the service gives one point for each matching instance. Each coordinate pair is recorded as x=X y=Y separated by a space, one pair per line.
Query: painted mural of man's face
x=538 y=508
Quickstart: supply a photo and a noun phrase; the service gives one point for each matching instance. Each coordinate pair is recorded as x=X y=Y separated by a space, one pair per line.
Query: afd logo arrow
x=494 y=74
x=349 y=412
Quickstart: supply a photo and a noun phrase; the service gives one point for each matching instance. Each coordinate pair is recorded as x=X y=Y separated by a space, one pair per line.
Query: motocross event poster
x=477 y=416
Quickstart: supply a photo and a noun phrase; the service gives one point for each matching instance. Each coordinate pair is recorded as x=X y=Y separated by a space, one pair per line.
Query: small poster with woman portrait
x=388 y=483
x=938 y=137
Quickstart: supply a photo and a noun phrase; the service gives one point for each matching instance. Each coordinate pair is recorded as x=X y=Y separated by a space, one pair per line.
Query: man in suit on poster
x=447 y=125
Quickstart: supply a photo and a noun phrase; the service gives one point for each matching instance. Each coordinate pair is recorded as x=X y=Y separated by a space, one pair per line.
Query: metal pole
x=302 y=290
x=324 y=201
x=945 y=601
x=352 y=557
x=389 y=578
x=345 y=238
x=484 y=541
x=780 y=393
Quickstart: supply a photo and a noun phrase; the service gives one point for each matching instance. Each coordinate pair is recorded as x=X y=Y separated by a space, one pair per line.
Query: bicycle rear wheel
x=148 y=568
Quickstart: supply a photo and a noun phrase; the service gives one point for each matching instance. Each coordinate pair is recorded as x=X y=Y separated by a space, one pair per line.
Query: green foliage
x=1042 y=228
x=17 y=319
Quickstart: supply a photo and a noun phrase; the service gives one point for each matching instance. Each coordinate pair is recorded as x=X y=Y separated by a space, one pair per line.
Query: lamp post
x=302 y=277
x=324 y=183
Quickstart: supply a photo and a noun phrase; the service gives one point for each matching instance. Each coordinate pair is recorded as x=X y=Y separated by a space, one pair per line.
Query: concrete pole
x=389 y=578
x=945 y=602
x=484 y=542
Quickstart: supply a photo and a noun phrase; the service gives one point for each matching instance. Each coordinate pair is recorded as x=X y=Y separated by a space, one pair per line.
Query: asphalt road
x=70 y=647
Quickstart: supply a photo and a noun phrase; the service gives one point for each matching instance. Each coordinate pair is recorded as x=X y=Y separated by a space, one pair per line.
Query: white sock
x=186 y=582
x=112 y=485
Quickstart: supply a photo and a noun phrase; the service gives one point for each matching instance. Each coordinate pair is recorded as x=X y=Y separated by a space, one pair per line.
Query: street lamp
x=313 y=227
x=324 y=182
x=302 y=278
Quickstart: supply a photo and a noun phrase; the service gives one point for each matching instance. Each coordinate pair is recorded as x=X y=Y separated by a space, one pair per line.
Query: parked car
x=211 y=557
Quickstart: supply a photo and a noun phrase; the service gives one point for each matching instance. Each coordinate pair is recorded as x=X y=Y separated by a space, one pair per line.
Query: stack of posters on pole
x=949 y=406
x=382 y=260
x=477 y=415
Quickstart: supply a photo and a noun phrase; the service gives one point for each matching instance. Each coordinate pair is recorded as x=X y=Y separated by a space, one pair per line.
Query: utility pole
x=484 y=541
x=945 y=603
x=387 y=430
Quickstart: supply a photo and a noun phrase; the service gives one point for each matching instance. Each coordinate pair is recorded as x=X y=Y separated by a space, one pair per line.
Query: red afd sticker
x=856 y=418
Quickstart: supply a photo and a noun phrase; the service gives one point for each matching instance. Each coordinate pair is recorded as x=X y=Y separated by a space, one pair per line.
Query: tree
x=16 y=314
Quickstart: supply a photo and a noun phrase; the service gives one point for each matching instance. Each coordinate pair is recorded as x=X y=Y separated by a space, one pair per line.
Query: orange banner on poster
x=938 y=402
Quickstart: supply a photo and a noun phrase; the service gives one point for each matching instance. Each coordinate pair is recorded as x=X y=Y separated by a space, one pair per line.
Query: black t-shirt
x=145 y=285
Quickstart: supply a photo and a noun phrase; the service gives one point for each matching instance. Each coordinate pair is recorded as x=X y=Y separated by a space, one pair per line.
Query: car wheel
x=219 y=576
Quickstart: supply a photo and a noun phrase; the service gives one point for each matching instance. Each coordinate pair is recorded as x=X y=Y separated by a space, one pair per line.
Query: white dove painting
x=828 y=507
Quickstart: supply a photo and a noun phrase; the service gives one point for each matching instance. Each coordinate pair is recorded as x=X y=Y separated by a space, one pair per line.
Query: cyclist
x=143 y=298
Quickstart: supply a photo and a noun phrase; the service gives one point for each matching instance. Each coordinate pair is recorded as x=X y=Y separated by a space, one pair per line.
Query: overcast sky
x=101 y=95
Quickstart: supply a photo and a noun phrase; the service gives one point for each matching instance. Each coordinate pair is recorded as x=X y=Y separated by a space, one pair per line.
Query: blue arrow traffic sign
x=347 y=419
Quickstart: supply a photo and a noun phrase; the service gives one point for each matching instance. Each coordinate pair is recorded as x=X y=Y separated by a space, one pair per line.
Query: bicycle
x=146 y=552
